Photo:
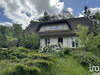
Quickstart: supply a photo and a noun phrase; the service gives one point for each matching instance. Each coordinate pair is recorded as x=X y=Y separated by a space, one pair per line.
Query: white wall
x=67 y=41
x=42 y=42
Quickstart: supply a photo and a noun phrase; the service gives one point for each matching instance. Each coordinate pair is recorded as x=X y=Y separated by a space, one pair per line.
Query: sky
x=23 y=11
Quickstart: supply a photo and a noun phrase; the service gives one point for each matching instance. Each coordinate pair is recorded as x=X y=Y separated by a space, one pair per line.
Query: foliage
x=65 y=15
x=96 y=25
x=20 y=69
x=46 y=17
x=51 y=49
x=30 y=41
x=3 y=38
x=13 y=53
x=66 y=50
x=9 y=35
x=86 y=58
x=17 y=30
x=68 y=66
x=18 y=61
x=88 y=41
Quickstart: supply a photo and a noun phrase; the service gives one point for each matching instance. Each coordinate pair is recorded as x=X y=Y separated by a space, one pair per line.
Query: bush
x=20 y=69
x=51 y=49
x=66 y=50
x=30 y=41
x=14 y=53
x=22 y=61
x=86 y=58
x=42 y=63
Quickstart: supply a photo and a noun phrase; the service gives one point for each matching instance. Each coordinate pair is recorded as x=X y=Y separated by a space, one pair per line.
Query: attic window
x=59 y=27
x=48 y=28
x=53 y=27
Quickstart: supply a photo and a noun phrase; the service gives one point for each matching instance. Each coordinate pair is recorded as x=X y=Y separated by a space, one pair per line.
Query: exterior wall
x=42 y=29
x=53 y=41
x=42 y=42
x=67 y=41
x=64 y=27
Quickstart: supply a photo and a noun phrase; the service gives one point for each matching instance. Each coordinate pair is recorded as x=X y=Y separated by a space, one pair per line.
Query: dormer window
x=53 y=27
x=59 y=27
x=48 y=28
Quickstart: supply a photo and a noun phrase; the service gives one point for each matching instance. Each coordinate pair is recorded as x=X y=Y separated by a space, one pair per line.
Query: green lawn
x=68 y=66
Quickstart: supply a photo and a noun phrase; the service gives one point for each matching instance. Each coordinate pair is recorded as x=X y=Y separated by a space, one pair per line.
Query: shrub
x=14 y=53
x=20 y=69
x=66 y=50
x=30 y=41
x=51 y=49
x=86 y=58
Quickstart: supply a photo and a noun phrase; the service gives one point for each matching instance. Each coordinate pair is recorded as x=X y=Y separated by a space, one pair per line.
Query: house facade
x=59 y=31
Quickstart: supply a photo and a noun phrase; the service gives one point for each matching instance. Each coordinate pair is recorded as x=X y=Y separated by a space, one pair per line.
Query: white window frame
x=47 y=28
x=47 y=41
x=73 y=42
x=59 y=27
x=53 y=27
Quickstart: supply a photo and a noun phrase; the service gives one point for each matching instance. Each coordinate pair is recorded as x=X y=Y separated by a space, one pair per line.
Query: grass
x=68 y=66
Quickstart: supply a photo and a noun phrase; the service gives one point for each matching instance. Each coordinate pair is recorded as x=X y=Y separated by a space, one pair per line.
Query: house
x=59 y=31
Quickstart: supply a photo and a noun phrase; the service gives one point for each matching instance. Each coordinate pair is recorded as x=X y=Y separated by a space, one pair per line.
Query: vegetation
x=86 y=58
x=51 y=49
x=22 y=61
x=68 y=66
x=63 y=15
x=88 y=42
x=30 y=41
x=9 y=35
x=96 y=25
x=28 y=59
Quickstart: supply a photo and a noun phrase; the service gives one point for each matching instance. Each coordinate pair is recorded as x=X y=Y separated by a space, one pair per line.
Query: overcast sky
x=23 y=11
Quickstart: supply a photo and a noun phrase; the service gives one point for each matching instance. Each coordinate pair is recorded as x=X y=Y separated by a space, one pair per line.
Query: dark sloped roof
x=72 y=23
x=56 y=33
x=32 y=28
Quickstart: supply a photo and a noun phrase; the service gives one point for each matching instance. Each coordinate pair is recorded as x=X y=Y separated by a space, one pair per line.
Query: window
x=60 y=40
x=59 y=27
x=73 y=43
x=53 y=27
x=47 y=41
x=48 y=28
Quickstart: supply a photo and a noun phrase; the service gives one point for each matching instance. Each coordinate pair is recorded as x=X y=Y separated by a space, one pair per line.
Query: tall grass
x=68 y=66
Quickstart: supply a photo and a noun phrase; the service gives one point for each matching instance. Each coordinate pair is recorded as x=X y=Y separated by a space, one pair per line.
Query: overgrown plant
x=30 y=41
x=87 y=40
x=51 y=48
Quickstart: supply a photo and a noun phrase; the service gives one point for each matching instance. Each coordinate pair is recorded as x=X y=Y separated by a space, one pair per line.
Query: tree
x=30 y=41
x=96 y=25
x=3 y=38
x=46 y=17
x=88 y=41
x=17 y=30
x=65 y=15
